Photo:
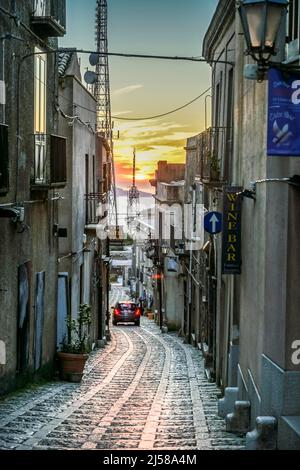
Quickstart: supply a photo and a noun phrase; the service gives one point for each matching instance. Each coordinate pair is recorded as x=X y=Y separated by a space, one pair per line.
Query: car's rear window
x=128 y=306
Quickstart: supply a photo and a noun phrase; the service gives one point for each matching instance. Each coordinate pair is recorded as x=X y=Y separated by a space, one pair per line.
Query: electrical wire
x=147 y=118
x=76 y=118
x=164 y=114
x=117 y=118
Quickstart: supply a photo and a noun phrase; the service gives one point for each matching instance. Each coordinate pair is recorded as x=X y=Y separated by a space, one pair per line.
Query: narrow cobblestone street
x=145 y=390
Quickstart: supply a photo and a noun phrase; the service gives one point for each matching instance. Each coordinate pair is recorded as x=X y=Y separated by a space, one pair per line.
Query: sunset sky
x=143 y=88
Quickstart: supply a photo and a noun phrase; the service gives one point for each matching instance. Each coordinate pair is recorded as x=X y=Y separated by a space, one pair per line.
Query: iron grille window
x=3 y=158
x=58 y=159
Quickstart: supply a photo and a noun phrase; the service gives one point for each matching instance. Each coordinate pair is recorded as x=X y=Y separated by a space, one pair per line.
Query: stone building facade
x=82 y=273
x=256 y=310
x=33 y=164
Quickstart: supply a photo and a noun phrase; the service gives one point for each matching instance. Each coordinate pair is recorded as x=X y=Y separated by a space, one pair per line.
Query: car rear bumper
x=125 y=319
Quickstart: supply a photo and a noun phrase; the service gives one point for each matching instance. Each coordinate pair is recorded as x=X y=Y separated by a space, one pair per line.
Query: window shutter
x=58 y=160
x=3 y=158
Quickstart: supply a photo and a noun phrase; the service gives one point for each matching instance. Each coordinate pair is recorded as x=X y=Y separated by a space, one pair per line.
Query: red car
x=126 y=312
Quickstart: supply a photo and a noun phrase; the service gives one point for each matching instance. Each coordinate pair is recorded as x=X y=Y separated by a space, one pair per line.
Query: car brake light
x=117 y=311
x=137 y=312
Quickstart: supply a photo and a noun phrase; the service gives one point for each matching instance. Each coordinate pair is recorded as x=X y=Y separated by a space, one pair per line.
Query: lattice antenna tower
x=102 y=89
x=102 y=92
x=133 y=206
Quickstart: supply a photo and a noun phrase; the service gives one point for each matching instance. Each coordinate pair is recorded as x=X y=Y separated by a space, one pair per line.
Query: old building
x=218 y=174
x=168 y=240
x=82 y=273
x=257 y=295
x=33 y=170
x=202 y=182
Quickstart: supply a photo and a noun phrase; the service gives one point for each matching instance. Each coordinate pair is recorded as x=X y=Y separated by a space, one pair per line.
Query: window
x=40 y=102
x=3 y=158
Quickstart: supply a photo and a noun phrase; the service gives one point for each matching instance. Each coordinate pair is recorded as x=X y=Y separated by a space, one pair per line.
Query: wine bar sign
x=231 y=242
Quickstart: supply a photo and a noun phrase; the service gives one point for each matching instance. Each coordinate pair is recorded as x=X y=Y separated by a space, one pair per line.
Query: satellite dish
x=94 y=59
x=90 y=77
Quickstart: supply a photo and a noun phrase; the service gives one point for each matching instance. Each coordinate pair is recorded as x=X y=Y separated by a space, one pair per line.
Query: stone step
x=289 y=433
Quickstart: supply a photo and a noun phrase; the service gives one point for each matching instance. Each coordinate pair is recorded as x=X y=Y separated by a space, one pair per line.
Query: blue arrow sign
x=213 y=222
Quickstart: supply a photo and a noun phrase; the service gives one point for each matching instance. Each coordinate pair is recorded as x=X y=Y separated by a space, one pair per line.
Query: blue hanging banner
x=284 y=114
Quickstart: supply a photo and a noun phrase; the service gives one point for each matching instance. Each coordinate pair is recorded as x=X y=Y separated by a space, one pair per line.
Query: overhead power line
x=147 y=118
x=149 y=56
x=164 y=114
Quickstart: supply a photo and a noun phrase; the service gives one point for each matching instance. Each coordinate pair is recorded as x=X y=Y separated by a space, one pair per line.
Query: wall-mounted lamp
x=262 y=21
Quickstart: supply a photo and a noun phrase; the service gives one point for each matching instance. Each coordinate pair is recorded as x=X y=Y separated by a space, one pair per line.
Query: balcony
x=208 y=148
x=49 y=18
x=55 y=174
x=4 y=162
x=96 y=208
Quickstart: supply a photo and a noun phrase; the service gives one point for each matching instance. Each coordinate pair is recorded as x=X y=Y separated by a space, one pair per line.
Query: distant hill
x=123 y=192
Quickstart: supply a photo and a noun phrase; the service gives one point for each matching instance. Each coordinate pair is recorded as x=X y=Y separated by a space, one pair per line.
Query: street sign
x=231 y=238
x=213 y=222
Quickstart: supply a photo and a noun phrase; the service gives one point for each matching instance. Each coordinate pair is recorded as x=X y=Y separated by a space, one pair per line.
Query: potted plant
x=76 y=346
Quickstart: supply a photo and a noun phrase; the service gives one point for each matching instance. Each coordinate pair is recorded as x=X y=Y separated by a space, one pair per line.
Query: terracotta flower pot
x=71 y=365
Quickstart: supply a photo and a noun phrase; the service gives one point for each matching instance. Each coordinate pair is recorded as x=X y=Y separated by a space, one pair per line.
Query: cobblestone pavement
x=145 y=390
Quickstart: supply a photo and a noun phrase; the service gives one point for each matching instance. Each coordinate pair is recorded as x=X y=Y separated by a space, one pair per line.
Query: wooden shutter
x=58 y=160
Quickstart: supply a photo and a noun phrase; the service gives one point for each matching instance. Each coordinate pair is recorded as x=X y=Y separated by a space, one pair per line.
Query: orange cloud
x=154 y=140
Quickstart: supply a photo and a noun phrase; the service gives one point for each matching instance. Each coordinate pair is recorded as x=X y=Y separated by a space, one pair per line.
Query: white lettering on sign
x=2 y=353
x=296 y=94
x=296 y=354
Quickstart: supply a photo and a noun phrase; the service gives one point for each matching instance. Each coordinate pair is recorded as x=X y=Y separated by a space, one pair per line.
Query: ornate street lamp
x=262 y=21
